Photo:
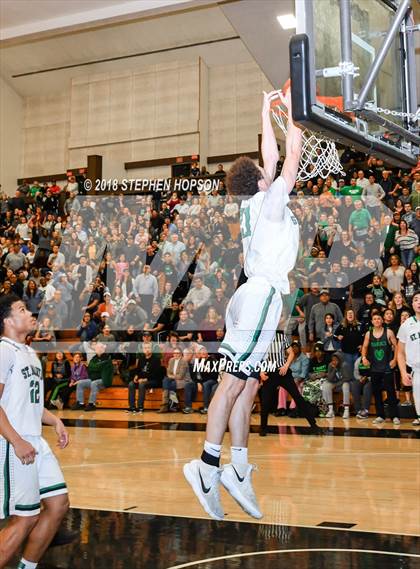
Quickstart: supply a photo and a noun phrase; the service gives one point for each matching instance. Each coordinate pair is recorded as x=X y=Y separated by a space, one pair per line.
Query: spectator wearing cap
x=100 y=373
x=317 y=315
x=134 y=315
x=106 y=306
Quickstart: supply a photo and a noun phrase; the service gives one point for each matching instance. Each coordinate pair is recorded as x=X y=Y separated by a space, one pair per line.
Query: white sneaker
x=240 y=488
x=378 y=421
x=416 y=422
x=396 y=421
x=330 y=415
x=205 y=480
x=346 y=414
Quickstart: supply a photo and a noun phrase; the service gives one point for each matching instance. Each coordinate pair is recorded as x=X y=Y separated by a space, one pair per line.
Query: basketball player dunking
x=29 y=472
x=270 y=238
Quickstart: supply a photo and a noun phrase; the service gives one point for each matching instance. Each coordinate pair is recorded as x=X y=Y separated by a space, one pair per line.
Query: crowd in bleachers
x=137 y=285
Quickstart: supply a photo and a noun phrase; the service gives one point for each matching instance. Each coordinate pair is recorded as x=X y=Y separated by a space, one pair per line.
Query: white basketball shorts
x=252 y=318
x=23 y=486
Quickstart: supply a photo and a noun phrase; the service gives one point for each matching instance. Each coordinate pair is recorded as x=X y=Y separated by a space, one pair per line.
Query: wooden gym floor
x=336 y=497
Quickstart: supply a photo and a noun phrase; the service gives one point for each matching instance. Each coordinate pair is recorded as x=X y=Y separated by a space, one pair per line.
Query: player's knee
x=26 y=522
x=58 y=506
x=232 y=387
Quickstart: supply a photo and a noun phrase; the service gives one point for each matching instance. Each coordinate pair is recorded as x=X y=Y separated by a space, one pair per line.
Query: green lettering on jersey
x=245 y=222
x=34 y=391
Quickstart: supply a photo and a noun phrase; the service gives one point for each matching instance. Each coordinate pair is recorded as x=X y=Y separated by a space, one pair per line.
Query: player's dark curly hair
x=6 y=303
x=242 y=178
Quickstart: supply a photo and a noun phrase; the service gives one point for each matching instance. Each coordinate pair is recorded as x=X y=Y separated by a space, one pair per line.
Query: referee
x=281 y=353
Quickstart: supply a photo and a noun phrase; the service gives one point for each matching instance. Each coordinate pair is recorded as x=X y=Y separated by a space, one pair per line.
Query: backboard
x=362 y=50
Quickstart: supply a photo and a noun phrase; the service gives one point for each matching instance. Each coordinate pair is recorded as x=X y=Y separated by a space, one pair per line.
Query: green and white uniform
x=270 y=240
x=409 y=334
x=23 y=486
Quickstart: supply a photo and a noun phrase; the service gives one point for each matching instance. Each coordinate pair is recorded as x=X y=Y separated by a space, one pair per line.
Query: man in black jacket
x=147 y=375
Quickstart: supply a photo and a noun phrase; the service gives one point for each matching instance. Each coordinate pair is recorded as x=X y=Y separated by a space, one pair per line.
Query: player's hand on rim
x=24 y=451
x=268 y=99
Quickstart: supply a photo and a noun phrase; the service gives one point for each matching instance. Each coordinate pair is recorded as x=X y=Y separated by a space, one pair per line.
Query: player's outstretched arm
x=293 y=144
x=269 y=149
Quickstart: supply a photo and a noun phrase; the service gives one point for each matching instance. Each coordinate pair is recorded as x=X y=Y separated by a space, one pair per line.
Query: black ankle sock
x=210 y=459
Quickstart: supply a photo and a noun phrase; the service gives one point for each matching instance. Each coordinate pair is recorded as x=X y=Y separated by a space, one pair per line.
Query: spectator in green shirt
x=359 y=222
x=353 y=190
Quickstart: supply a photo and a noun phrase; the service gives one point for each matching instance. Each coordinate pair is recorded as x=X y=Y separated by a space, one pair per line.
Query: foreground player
x=409 y=353
x=270 y=238
x=29 y=472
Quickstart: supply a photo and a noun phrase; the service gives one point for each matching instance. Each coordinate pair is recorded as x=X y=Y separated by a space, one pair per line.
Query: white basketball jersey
x=270 y=236
x=23 y=393
x=409 y=333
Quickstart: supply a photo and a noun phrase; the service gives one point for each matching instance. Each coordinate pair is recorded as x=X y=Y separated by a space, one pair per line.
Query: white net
x=319 y=156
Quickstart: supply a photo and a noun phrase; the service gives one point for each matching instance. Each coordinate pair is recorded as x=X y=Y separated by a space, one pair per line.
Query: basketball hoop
x=319 y=157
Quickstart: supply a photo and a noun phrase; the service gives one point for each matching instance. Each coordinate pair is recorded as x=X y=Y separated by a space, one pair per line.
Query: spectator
x=175 y=378
x=394 y=275
x=329 y=339
x=372 y=195
x=349 y=332
x=146 y=375
x=380 y=293
x=318 y=313
x=78 y=372
x=32 y=297
x=100 y=373
x=15 y=260
x=199 y=378
x=379 y=353
x=410 y=285
x=407 y=241
x=220 y=173
x=359 y=223
x=60 y=375
x=361 y=389
x=338 y=379
x=146 y=288
x=299 y=368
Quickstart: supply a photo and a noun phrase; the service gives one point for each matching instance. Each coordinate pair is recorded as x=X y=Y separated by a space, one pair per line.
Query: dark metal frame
x=404 y=143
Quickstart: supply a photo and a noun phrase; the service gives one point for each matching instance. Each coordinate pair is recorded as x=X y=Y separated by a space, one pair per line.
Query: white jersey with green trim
x=409 y=333
x=270 y=236
x=23 y=393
